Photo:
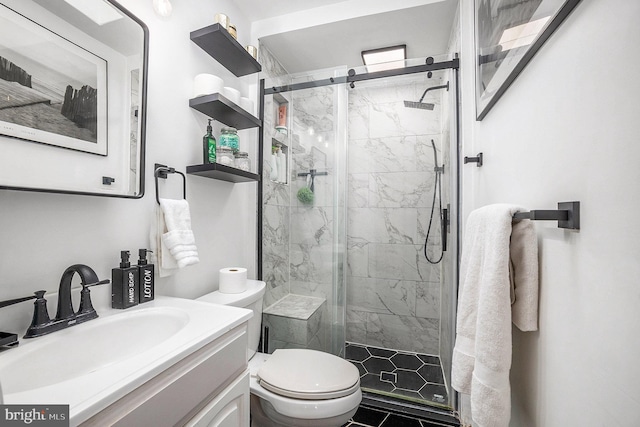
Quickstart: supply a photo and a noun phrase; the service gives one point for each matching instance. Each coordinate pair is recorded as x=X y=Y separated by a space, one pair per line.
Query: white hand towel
x=482 y=353
x=172 y=239
x=179 y=238
x=165 y=263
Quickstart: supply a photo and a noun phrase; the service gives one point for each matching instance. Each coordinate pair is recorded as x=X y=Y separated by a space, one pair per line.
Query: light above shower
x=386 y=58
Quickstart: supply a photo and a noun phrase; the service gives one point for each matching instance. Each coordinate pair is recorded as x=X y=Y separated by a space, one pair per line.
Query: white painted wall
x=42 y=234
x=568 y=129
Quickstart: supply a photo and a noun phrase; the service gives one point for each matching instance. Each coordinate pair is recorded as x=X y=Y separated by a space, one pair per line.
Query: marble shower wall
x=393 y=293
x=298 y=238
x=312 y=225
x=276 y=196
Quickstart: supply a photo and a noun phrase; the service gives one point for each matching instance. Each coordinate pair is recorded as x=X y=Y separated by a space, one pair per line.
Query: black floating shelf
x=222 y=172
x=220 y=108
x=217 y=42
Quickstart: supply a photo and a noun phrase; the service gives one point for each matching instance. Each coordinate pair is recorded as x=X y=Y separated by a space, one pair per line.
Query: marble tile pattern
x=393 y=293
x=296 y=322
x=276 y=196
x=295 y=306
x=298 y=239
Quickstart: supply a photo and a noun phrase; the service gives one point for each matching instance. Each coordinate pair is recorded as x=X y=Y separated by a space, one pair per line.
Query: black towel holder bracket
x=478 y=160
x=567 y=215
x=163 y=171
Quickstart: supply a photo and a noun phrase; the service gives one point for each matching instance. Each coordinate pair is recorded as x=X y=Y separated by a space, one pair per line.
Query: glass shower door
x=304 y=217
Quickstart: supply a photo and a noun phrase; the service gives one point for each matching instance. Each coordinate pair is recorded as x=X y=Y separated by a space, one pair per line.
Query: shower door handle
x=445 y=226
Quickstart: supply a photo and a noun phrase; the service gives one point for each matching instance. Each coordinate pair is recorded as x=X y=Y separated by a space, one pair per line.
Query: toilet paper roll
x=247 y=105
x=206 y=84
x=232 y=94
x=233 y=280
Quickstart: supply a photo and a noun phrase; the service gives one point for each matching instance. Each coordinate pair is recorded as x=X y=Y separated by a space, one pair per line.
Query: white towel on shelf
x=499 y=266
x=172 y=239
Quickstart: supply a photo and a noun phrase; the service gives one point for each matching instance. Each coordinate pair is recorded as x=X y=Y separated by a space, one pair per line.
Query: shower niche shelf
x=218 y=43
x=222 y=173
x=278 y=140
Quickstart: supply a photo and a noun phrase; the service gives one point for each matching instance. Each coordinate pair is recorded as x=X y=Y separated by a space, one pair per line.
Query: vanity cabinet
x=216 y=41
x=210 y=387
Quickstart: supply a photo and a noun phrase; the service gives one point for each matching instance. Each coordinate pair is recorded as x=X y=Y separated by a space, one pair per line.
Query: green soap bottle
x=209 y=145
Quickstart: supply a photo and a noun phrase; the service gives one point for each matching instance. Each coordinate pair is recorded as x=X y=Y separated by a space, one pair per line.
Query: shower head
x=419 y=105
x=424 y=105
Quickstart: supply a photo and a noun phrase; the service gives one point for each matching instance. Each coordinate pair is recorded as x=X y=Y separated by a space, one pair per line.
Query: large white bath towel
x=499 y=284
x=172 y=239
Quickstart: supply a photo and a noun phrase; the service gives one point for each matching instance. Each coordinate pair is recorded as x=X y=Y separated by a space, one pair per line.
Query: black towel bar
x=567 y=215
x=162 y=171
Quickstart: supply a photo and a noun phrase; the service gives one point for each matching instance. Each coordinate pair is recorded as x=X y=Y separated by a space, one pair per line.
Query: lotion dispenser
x=124 y=283
x=146 y=278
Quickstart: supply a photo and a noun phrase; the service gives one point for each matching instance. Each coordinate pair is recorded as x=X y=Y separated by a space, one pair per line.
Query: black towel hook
x=162 y=171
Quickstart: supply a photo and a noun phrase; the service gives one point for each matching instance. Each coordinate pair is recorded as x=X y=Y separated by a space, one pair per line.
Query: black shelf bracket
x=477 y=160
x=567 y=215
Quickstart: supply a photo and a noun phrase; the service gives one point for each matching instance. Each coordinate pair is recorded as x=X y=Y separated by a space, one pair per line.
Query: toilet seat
x=308 y=375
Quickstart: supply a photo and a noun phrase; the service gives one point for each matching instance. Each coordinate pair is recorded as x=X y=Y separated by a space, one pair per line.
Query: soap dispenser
x=209 y=146
x=124 y=283
x=145 y=271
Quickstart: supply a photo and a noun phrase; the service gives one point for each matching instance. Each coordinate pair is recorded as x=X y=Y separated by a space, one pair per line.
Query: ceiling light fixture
x=386 y=58
x=99 y=12
x=163 y=8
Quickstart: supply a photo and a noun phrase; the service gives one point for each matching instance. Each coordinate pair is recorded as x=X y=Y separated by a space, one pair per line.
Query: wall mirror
x=72 y=97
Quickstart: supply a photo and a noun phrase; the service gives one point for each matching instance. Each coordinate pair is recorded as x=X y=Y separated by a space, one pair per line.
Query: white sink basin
x=85 y=348
x=91 y=365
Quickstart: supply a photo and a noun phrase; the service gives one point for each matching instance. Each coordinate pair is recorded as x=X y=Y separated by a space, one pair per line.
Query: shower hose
x=437 y=189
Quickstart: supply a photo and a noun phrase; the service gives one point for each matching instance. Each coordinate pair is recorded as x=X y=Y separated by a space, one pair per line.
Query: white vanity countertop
x=92 y=365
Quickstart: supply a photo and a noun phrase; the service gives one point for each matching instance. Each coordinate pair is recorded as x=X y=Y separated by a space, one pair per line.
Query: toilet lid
x=308 y=374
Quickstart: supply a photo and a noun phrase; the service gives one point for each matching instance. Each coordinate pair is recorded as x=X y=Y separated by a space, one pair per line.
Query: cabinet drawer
x=183 y=389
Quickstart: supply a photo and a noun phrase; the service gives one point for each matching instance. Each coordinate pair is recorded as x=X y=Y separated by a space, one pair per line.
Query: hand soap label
x=131 y=291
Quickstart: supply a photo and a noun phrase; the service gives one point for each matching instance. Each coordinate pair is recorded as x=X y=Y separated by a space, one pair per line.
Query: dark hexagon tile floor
x=369 y=417
x=418 y=376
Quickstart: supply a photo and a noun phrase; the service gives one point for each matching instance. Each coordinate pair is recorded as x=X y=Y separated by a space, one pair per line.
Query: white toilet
x=293 y=387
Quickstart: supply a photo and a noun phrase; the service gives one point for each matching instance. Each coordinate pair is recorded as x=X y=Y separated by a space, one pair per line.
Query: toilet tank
x=250 y=299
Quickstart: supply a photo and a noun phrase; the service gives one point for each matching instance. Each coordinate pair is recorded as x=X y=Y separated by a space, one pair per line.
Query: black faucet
x=65 y=316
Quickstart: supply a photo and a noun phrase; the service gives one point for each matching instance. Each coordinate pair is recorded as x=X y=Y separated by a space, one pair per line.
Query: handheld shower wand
x=437 y=190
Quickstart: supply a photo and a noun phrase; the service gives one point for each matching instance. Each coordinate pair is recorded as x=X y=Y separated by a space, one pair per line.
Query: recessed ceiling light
x=99 y=12
x=386 y=58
